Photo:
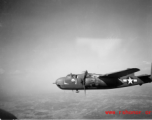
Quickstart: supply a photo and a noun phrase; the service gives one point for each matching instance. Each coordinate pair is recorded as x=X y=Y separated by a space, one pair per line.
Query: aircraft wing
x=120 y=73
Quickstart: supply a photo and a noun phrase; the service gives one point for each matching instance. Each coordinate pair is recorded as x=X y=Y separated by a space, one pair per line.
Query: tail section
x=146 y=78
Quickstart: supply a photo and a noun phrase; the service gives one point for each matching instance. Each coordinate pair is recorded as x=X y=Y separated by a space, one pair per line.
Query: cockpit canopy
x=71 y=75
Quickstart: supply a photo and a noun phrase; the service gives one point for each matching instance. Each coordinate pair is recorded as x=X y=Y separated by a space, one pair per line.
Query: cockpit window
x=72 y=75
x=69 y=75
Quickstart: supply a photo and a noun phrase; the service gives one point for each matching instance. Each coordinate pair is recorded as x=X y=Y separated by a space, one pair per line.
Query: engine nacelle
x=94 y=82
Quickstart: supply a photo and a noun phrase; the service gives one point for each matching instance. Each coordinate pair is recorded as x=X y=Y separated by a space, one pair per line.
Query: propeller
x=83 y=80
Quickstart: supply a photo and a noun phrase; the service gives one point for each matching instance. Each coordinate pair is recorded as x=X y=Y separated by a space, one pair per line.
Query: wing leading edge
x=120 y=73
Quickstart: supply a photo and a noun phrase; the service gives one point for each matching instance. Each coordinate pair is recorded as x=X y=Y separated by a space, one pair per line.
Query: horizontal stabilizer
x=145 y=78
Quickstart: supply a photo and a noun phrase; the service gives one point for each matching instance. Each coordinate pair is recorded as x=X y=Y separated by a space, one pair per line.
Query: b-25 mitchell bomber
x=90 y=81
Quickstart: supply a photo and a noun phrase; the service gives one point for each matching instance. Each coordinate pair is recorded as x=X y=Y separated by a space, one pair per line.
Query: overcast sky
x=42 y=40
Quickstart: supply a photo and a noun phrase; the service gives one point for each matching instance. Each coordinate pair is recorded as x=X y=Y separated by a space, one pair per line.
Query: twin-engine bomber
x=90 y=81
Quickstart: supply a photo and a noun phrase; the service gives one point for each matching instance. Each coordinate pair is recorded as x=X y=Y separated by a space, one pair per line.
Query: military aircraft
x=90 y=81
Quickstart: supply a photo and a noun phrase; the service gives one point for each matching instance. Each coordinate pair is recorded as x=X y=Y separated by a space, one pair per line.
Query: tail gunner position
x=89 y=81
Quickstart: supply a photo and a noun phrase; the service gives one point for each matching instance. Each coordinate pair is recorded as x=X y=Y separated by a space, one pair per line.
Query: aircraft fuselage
x=93 y=81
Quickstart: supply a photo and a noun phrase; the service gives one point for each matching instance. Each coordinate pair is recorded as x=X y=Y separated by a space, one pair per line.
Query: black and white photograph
x=75 y=59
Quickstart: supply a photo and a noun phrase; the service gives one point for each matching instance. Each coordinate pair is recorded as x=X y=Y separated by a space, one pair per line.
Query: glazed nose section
x=59 y=81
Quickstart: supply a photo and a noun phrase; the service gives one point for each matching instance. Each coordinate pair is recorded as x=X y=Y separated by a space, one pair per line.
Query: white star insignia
x=129 y=80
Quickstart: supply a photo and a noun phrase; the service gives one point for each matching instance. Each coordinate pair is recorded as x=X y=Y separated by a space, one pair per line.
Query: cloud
x=14 y=72
x=0 y=24
x=102 y=47
x=2 y=71
x=146 y=62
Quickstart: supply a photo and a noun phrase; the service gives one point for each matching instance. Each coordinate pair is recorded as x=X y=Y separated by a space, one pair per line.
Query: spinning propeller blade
x=83 y=80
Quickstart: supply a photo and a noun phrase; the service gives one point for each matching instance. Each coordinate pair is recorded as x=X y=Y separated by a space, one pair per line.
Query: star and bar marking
x=129 y=80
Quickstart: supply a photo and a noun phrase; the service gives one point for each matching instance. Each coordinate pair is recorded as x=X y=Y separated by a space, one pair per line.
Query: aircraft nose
x=59 y=81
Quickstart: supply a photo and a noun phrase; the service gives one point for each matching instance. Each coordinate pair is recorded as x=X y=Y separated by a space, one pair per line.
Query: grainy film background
x=42 y=40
